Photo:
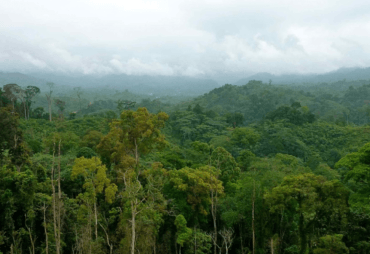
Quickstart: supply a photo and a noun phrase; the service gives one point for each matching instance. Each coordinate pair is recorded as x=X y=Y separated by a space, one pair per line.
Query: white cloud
x=136 y=67
x=183 y=37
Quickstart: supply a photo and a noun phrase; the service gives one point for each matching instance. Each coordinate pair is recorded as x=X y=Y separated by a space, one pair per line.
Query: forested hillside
x=257 y=168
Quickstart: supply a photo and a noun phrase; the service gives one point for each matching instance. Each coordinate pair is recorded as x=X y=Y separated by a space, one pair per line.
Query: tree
x=135 y=134
x=30 y=92
x=244 y=137
x=49 y=98
x=61 y=105
x=9 y=134
x=200 y=186
x=11 y=138
x=96 y=181
x=235 y=119
x=331 y=244
x=200 y=243
x=227 y=238
x=183 y=232
x=225 y=162
x=10 y=91
x=125 y=105
x=357 y=170
x=312 y=198
x=21 y=95
x=4 y=101
x=91 y=139
x=245 y=158
x=198 y=109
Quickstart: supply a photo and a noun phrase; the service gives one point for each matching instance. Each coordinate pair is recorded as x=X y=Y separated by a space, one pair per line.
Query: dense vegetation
x=257 y=168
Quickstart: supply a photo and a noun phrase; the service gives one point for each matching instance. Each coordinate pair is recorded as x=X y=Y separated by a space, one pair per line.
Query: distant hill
x=20 y=79
x=175 y=85
x=334 y=76
x=157 y=85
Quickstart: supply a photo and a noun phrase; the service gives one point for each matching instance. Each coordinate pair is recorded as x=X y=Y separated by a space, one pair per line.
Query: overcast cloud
x=187 y=37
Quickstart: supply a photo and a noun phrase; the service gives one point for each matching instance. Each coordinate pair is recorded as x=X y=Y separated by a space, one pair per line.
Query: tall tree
x=183 y=232
x=49 y=98
x=136 y=133
x=61 y=105
x=30 y=92
x=10 y=93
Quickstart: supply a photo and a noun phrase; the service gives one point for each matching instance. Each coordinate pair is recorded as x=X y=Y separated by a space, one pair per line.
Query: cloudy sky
x=184 y=37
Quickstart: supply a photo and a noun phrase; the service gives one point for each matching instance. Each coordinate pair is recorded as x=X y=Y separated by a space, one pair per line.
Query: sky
x=183 y=37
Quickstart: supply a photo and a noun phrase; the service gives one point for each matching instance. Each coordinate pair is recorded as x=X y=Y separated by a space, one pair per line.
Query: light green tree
x=183 y=232
x=95 y=182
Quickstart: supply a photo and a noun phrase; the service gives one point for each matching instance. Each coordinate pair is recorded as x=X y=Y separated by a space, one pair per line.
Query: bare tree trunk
x=48 y=97
x=272 y=245
x=241 y=238
x=195 y=240
x=32 y=240
x=90 y=234
x=25 y=110
x=46 y=231
x=136 y=154
x=253 y=199
x=227 y=236
x=96 y=221
x=50 y=111
x=54 y=204
x=59 y=200
x=107 y=236
x=28 y=111
x=214 y=211
x=133 y=229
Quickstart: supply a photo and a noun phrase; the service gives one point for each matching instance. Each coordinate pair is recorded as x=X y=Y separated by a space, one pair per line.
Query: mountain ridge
x=354 y=73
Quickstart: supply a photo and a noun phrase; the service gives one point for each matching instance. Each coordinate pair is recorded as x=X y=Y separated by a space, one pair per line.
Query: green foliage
x=68 y=142
x=96 y=180
x=244 y=138
x=234 y=119
x=91 y=139
x=358 y=175
x=312 y=198
x=331 y=244
x=72 y=116
x=295 y=170
x=136 y=133
x=245 y=159
x=184 y=233
x=225 y=162
x=293 y=114
x=8 y=130
x=200 y=243
x=197 y=184
x=86 y=152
